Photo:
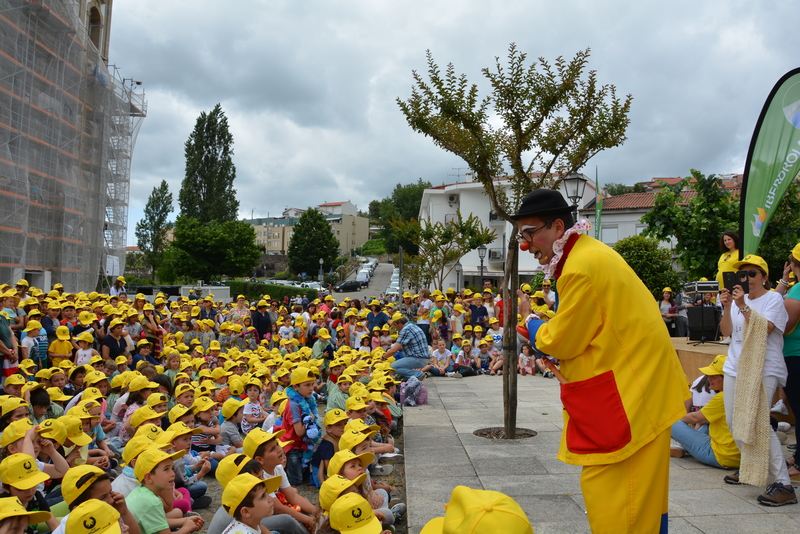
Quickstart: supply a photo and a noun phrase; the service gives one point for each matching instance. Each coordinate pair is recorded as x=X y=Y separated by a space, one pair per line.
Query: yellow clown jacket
x=626 y=384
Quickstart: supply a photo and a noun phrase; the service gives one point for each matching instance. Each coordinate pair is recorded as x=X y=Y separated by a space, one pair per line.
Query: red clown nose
x=524 y=245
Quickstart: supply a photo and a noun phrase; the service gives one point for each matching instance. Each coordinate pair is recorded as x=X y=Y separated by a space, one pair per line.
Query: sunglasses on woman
x=744 y=274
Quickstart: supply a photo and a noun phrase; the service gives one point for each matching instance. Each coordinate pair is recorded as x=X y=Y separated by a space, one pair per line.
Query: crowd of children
x=115 y=412
x=106 y=427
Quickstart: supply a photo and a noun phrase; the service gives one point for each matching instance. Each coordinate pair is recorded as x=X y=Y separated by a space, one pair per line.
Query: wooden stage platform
x=693 y=357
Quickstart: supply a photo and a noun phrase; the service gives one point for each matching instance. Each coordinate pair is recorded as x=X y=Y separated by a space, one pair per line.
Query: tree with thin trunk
x=441 y=245
x=541 y=121
x=151 y=231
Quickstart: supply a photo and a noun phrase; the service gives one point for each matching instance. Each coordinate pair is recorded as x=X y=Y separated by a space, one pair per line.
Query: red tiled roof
x=632 y=201
x=333 y=203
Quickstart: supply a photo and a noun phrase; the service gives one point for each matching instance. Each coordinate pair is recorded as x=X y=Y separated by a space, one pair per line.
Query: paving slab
x=441 y=452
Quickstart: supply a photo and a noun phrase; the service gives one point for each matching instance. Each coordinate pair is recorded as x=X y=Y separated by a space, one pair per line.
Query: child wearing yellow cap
x=194 y=485
x=267 y=449
x=334 y=423
x=20 y=476
x=247 y=499
x=351 y=513
x=15 y=518
x=154 y=470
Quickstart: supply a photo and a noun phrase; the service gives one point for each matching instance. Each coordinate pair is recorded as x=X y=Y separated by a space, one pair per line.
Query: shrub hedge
x=256 y=290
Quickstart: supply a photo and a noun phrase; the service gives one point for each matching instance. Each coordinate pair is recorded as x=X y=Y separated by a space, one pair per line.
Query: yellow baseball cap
x=256 y=437
x=149 y=460
x=92 y=394
x=715 y=368
x=179 y=410
x=15 y=431
x=11 y=507
x=16 y=380
x=53 y=429
x=145 y=413
x=241 y=485
x=333 y=487
x=137 y=445
x=76 y=482
x=355 y=404
x=335 y=416
x=74 y=428
x=752 y=259
x=229 y=467
x=352 y=514
x=33 y=325
x=345 y=455
x=472 y=510
x=231 y=406
x=20 y=470
x=180 y=429
x=202 y=404
x=302 y=374
x=155 y=399
x=140 y=382
x=93 y=517
x=351 y=438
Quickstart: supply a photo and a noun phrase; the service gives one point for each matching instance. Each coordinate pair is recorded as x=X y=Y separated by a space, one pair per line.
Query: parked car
x=363 y=278
x=347 y=285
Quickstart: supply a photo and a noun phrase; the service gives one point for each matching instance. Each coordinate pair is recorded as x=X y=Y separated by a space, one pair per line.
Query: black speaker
x=703 y=323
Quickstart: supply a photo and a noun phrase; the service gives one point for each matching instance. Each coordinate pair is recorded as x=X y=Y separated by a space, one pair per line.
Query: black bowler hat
x=542 y=202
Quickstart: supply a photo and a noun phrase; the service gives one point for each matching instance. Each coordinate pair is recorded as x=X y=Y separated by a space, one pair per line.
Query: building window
x=609 y=235
x=640 y=229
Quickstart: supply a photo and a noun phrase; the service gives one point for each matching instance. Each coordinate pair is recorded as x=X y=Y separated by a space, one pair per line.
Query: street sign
x=303 y=276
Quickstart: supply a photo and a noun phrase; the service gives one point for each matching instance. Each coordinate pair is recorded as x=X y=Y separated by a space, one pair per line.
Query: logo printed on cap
x=89 y=523
x=357 y=513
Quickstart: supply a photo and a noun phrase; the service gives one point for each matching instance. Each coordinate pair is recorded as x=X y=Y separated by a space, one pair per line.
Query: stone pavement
x=441 y=453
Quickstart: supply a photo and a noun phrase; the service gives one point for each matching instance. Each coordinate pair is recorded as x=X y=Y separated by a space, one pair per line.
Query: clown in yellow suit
x=622 y=384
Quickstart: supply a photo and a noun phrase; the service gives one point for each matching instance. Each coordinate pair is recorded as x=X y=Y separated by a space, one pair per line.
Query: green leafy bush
x=256 y=290
x=651 y=263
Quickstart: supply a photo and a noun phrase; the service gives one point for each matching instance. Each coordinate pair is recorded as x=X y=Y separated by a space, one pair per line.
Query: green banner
x=598 y=206
x=773 y=160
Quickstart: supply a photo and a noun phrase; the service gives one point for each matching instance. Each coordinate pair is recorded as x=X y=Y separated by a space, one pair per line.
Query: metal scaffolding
x=68 y=126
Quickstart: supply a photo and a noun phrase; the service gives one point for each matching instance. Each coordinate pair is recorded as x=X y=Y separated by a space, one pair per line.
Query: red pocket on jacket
x=597 y=420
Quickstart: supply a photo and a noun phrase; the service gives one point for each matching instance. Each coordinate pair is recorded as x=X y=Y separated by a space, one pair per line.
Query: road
x=377 y=284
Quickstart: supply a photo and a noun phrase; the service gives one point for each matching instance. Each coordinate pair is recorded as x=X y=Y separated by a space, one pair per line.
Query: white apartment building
x=440 y=204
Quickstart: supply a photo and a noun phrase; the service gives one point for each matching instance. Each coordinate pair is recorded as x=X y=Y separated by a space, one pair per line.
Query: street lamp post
x=481 y=255
x=321 y=276
x=459 y=268
x=575 y=185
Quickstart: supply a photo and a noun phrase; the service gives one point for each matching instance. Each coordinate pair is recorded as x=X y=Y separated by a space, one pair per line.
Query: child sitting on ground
x=247 y=499
x=154 y=470
x=265 y=448
x=232 y=413
x=194 y=485
x=205 y=413
x=20 y=476
x=253 y=415
x=334 y=427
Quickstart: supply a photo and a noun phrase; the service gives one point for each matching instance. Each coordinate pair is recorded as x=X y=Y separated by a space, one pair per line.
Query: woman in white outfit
x=738 y=309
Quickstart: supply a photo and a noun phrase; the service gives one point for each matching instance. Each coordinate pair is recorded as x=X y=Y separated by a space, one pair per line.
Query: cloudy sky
x=309 y=86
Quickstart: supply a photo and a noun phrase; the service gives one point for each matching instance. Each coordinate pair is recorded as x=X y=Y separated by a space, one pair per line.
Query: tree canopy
x=151 y=231
x=441 y=245
x=312 y=240
x=651 y=262
x=615 y=189
x=541 y=121
x=402 y=205
x=207 y=250
x=207 y=192
x=696 y=224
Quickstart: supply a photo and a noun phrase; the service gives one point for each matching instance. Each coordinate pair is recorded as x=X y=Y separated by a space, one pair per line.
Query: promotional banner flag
x=773 y=160
x=598 y=206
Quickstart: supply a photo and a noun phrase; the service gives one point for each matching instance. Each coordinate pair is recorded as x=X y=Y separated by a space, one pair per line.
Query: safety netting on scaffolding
x=68 y=126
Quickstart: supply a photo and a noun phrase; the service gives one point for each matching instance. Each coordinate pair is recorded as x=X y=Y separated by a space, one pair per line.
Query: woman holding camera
x=755 y=318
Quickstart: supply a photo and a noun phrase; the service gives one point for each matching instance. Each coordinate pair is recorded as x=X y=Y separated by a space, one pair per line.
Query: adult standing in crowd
x=624 y=384
x=411 y=349
x=118 y=288
x=424 y=314
x=729 y=249
x=237 y=315
x=755 y=320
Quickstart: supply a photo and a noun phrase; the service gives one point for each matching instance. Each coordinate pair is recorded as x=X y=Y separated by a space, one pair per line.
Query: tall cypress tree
x=207 y=192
